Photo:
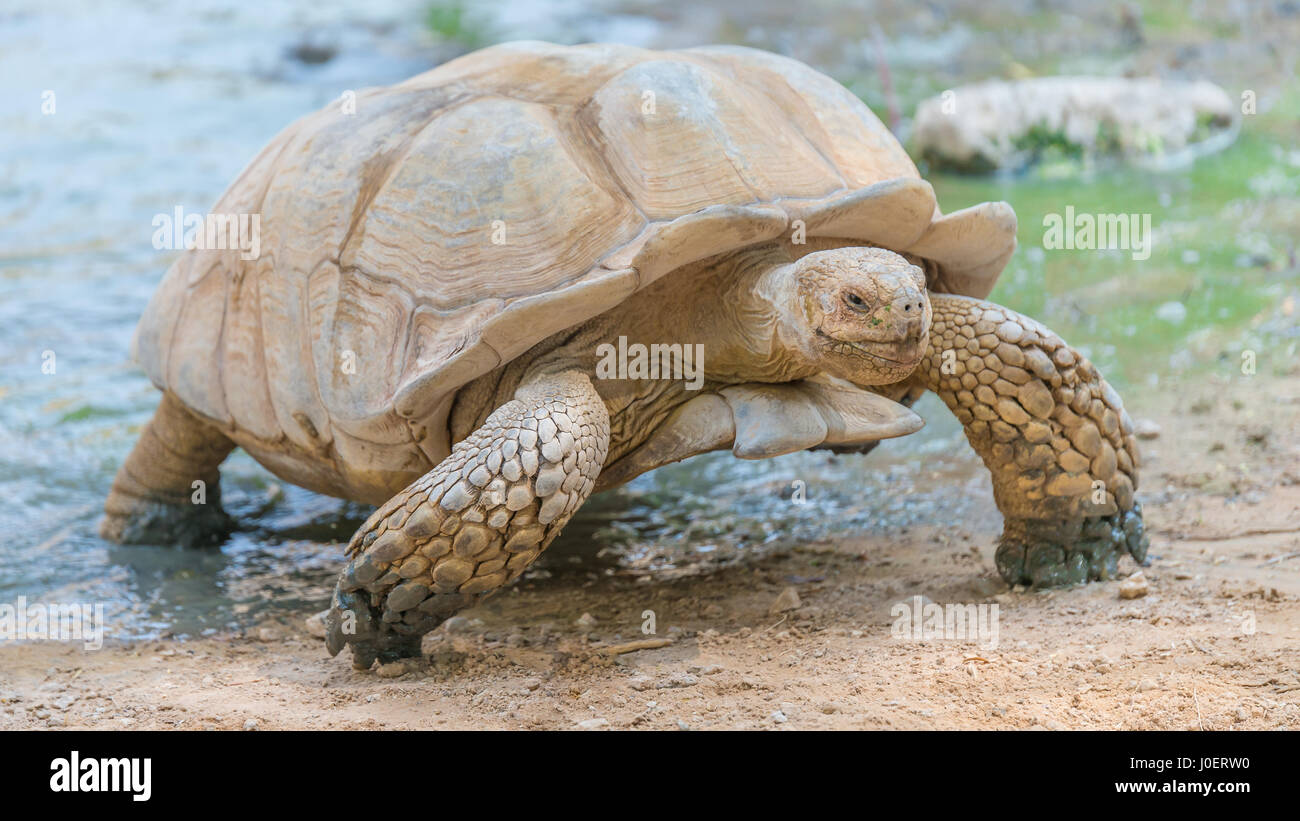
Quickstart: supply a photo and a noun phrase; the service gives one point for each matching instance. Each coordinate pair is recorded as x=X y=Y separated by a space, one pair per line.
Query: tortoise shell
x=458 y=218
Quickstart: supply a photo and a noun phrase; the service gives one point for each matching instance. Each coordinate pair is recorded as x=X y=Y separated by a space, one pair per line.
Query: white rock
x=977 y=127
x=1134 y=587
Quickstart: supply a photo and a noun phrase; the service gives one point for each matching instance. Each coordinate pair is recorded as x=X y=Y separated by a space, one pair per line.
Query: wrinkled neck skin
x=730 y=308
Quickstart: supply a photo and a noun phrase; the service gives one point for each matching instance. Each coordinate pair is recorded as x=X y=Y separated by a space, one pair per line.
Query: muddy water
x=154 y=110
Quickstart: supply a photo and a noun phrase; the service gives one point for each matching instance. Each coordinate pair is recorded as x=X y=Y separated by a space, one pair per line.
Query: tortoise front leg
x=474 y=522
x=1053 y=433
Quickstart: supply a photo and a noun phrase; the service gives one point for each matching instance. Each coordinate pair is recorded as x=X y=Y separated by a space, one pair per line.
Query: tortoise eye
x=855 y=301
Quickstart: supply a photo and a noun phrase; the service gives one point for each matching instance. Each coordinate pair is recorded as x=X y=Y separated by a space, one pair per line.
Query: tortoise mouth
x=905 y=353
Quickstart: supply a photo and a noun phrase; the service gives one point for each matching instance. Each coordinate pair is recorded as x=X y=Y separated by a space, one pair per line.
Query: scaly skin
x=1054 y=435
x=474 y=522
x=152 y=498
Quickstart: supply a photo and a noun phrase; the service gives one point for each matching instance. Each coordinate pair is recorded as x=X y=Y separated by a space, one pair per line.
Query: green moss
x=1044 y=143
x=454 y=21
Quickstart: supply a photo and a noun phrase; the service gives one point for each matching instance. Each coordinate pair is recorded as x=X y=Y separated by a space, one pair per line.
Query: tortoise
x=445 y=272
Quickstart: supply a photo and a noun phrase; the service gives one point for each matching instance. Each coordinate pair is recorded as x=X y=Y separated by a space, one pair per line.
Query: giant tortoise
x=445 y=270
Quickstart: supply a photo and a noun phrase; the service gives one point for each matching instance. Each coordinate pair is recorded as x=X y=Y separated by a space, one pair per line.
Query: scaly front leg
x=474 y=522
x=1052 y=431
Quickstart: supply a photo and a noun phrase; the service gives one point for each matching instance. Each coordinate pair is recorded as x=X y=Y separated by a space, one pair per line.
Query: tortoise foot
x=1044 y=553
x=356 y=620
x=143 y=521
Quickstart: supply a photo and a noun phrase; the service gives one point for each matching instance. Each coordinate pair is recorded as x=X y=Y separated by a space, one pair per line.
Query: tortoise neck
x=744 y=326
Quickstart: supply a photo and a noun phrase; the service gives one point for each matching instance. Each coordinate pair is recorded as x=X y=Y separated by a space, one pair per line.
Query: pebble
x=593 y=723
x=586 y=621
x=251 y=724
x=1134 y=587
x=787 y=600
x=1146 y=429
x=778 y=717
x=392 y=669
x=316 y=624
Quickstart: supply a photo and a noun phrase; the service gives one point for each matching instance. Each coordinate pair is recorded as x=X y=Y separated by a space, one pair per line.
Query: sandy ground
x=1213 y=644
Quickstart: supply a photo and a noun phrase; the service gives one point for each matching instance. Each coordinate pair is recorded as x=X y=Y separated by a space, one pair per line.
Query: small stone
x=455 y=624
x=586 y=621
x=1146 y=429
x=250 y=724
x=392 y=669
x=316 y=624
x=677 y=680
x=778 y=717
x=594 y=723
x=1134 y=587
x=787 y=600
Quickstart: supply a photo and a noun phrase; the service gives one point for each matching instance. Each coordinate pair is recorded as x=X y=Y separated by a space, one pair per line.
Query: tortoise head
x=861 y=314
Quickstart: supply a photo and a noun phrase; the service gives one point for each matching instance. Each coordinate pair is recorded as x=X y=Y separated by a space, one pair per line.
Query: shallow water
x=155 y=110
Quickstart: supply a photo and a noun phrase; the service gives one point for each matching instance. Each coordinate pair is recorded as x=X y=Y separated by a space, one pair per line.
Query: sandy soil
x=1214 y=643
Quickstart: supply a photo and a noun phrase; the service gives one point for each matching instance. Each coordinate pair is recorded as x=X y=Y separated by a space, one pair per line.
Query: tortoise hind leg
x=1054 y=435
x=472 y=524
x=156 y=496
